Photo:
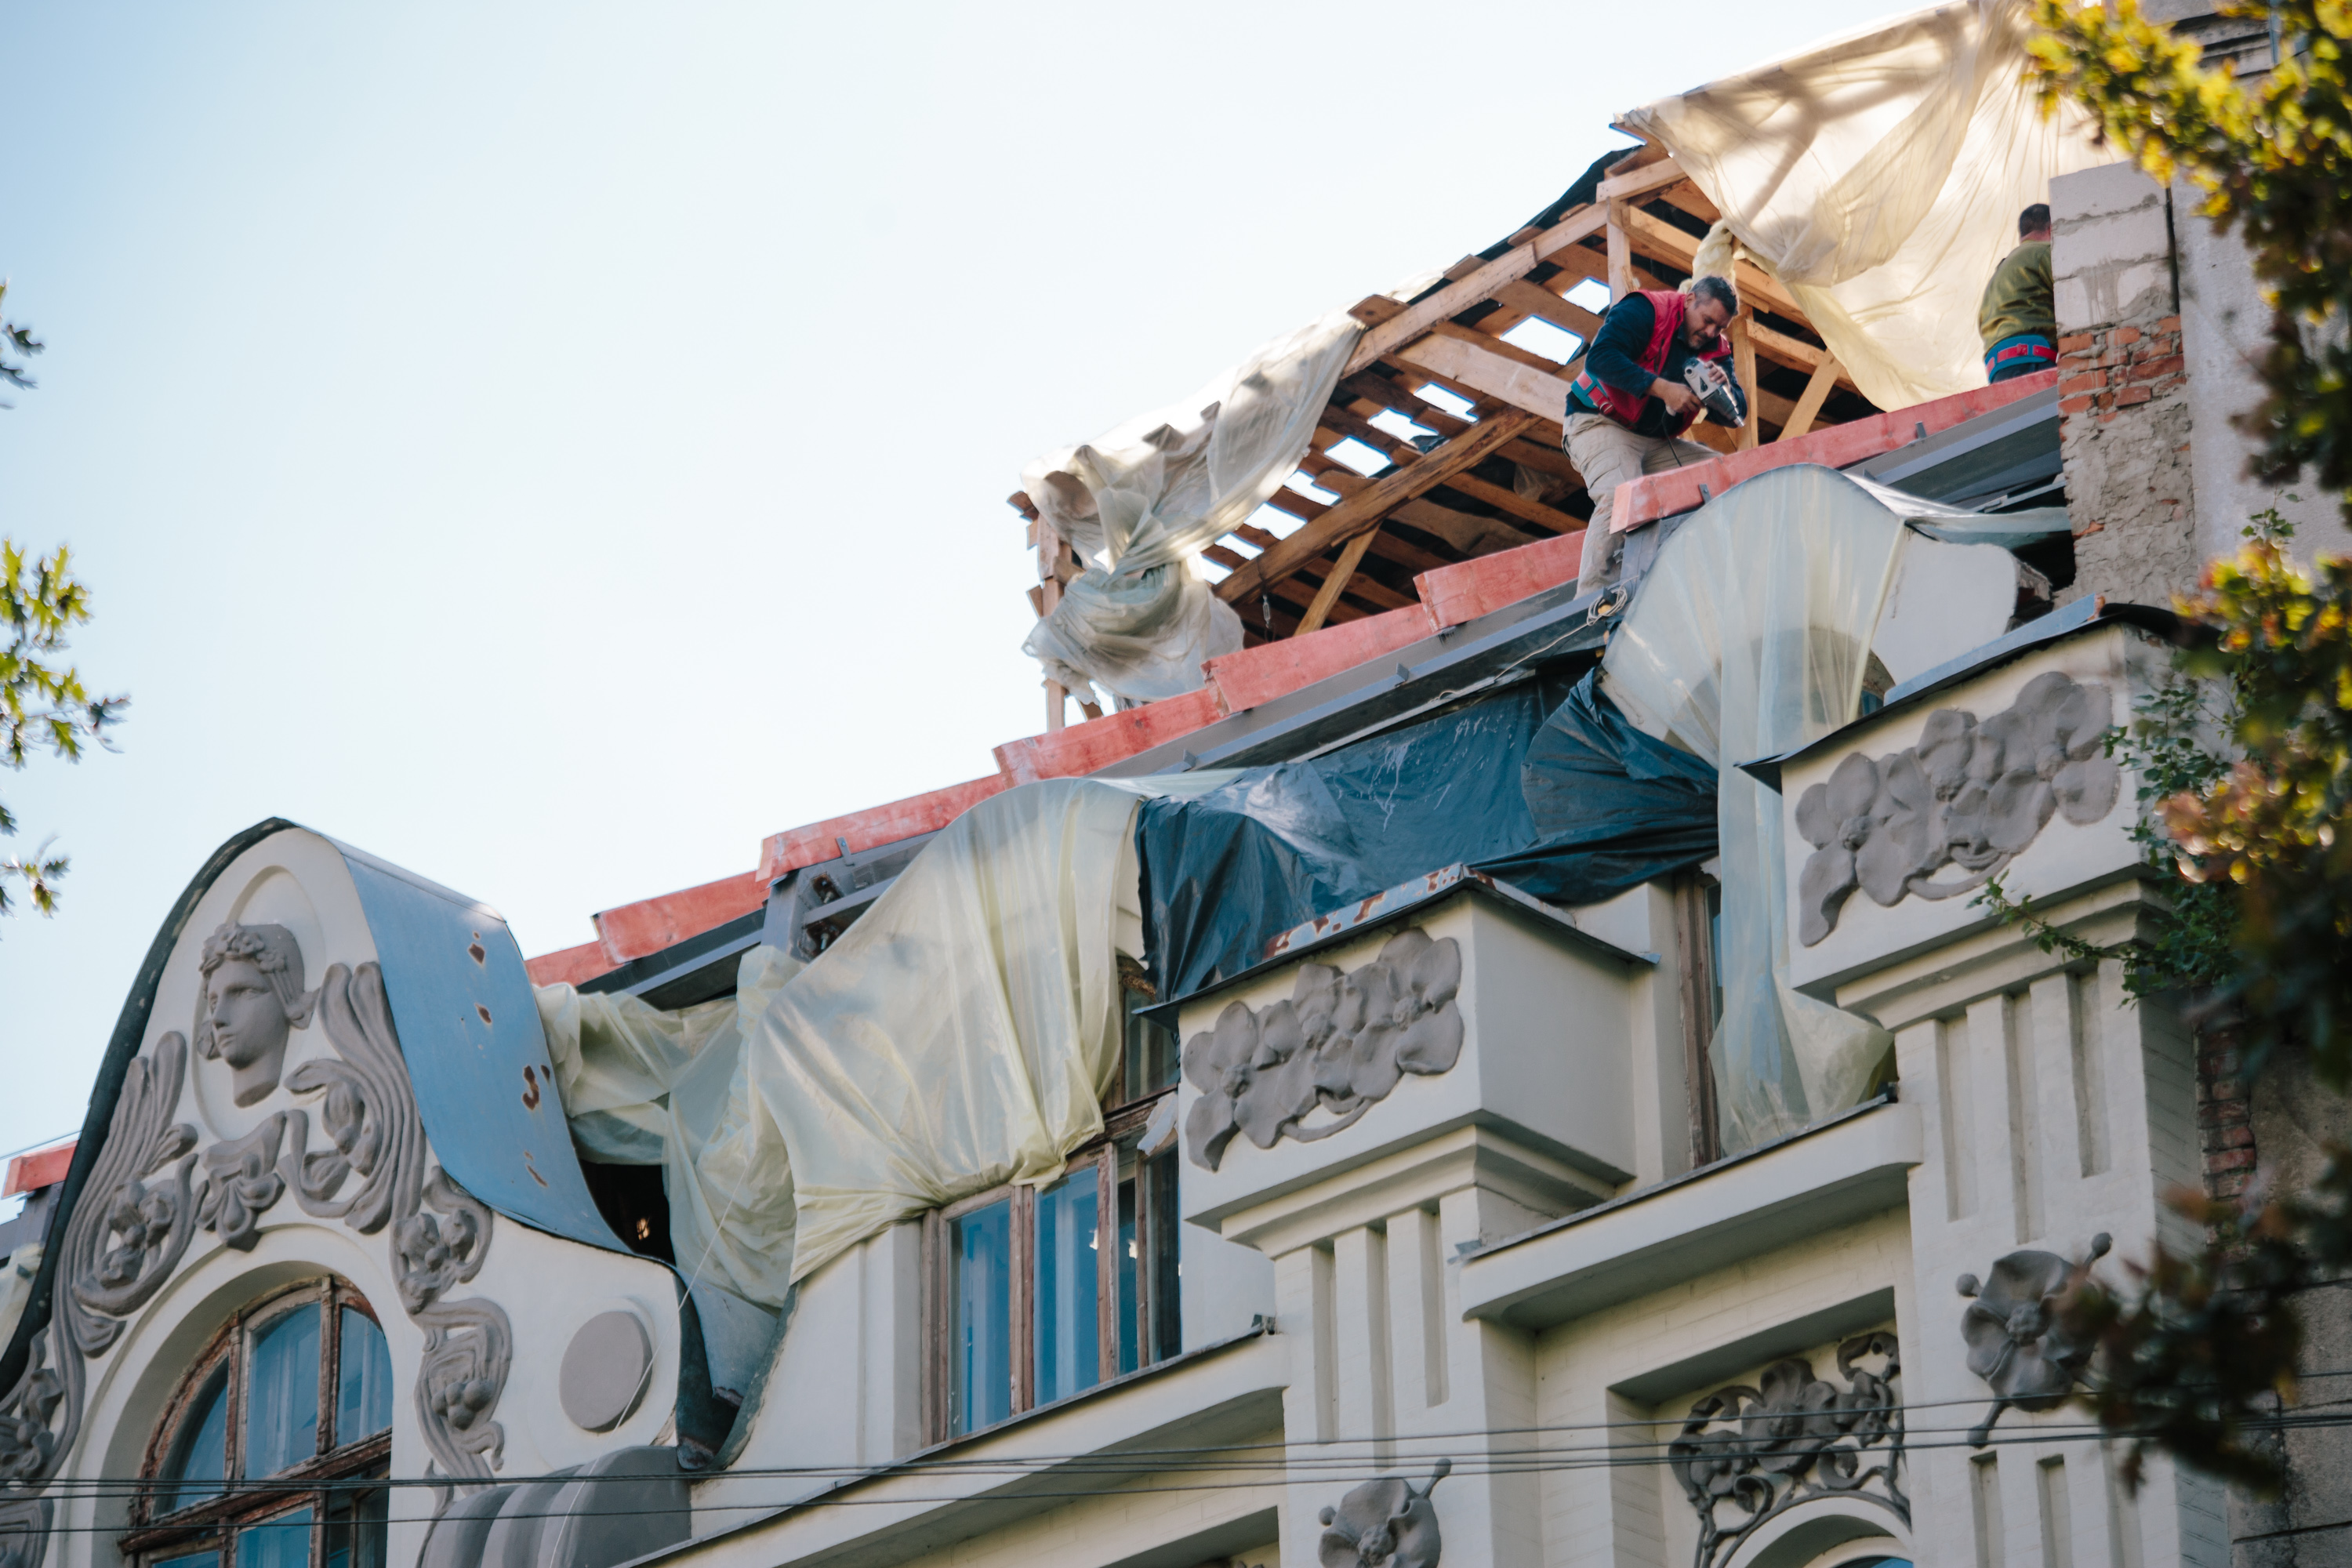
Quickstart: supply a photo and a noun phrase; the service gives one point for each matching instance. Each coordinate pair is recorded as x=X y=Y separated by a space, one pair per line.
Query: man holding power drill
x=1631 y=402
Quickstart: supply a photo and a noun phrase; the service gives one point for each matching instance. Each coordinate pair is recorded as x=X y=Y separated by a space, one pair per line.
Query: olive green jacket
x=2018 y=299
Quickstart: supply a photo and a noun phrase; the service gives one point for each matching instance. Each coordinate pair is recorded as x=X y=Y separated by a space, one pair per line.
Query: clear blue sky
x=554 y=445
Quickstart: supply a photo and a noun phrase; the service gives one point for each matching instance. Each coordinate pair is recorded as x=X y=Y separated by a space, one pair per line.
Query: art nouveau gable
x=312 y=1081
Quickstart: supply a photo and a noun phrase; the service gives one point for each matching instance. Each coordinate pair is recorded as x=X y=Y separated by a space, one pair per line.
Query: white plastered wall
x=2054 y=1108
x=1679 y=1344
x=549 y=1286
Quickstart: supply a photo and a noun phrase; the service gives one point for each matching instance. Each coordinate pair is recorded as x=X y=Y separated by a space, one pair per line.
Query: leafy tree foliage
x=2200 y=1349
x=44 y=706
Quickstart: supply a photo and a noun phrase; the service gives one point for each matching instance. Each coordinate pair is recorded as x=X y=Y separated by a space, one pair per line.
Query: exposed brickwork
x=2225 y=1132
x=2105 y=371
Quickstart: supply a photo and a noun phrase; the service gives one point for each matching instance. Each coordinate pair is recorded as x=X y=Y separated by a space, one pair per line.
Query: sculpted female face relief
x=252 y=998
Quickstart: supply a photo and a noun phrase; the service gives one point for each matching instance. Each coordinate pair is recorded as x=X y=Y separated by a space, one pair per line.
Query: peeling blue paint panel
x=469 y=1027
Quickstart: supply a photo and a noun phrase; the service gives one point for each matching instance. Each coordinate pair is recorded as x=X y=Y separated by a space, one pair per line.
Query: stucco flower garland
x=1342 y=1041
x=1969 y=794
x=1761 y=1451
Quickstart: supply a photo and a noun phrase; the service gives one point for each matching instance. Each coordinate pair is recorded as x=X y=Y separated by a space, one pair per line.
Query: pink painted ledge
x=570 y=965
x=877 y=824
x=1648 y=498
x=1259 y=674
x=633 y=931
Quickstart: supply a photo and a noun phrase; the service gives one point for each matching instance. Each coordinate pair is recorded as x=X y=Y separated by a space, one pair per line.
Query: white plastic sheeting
x=643 y=1087
x=1879 y=177
x=963 y=1032
x=1139 y=504
x=1748 y=637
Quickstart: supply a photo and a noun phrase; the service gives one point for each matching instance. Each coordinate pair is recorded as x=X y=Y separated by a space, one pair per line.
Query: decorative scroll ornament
x=2017 y=1342
x=242 y=1181
x=126 y=1237
x=1383 y=1524
x=137 y=1213
x=1969 y=796
x=369 y=1116
x=1758 y=1452
x=1342 y=1041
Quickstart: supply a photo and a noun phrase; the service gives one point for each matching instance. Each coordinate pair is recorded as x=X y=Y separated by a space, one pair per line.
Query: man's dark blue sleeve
x=1614 y=356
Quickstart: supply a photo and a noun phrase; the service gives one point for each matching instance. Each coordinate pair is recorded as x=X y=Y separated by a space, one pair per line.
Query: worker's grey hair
x=1717 y=289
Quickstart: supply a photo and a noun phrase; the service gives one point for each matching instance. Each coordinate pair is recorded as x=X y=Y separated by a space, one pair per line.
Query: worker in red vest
x=1631 y=402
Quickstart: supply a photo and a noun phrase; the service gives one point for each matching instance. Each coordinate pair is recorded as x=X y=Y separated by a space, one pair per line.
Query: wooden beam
x=1534 y=299
x=1456 y=298
x=1664 y=241
x=1743 y=371
x=1544 y=459
x=1809 y=407
x=1502 y=498
x=1362 y=512
x=1794 y=353
x=1650 y=176
x=1620 y=249
x=1350 y=557
x=1492 y=370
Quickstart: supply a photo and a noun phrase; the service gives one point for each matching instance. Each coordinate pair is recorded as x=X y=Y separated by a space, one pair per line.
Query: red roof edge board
x=41 y=1168
x=649 y=925
x=1648 y=498
x=1080 y=749
x=877 y=825
x=1450 y=595
x=1468 y=589
x=1272 y=669
x=570 y=965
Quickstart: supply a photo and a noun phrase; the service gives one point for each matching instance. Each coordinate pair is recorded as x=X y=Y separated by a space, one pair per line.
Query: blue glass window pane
x=1130 y=1287
x=1069 y=1324
x=284 y=1541
x=198 y=1458
x=363 y=1386
x=356 y=1529
x=192 y=1560
x=281 y=1423
x=982 y=1246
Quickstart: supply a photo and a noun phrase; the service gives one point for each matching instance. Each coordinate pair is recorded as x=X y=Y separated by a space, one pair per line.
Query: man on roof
x=1633 y=400
x=2018 y=318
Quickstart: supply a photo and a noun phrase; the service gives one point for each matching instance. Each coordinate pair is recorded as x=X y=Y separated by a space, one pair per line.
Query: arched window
x=273 y=1452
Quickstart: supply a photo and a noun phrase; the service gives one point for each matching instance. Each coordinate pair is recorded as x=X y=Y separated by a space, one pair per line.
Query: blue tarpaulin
x=1553 y=791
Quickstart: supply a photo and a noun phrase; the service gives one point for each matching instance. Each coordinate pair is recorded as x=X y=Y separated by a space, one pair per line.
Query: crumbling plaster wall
x=2123 y=399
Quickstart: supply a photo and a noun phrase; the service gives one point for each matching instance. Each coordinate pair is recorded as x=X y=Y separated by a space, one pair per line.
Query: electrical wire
x=1291 y=1458
x=1501 y=1465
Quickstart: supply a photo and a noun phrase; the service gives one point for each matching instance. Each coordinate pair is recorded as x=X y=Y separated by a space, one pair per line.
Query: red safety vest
x=1626 y=407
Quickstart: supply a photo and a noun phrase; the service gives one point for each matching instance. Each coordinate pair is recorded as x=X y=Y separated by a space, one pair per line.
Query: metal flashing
x=1387 y=907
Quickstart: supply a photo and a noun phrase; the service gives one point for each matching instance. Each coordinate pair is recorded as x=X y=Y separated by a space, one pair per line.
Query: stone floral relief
x=2017 y=1342
x=1747 y=1454
x=1383 y=1523
x=1965 y=800
x=143 y=1202
x=1342 y=1042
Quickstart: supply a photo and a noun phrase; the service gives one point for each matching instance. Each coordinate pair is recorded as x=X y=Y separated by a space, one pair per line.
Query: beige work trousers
x=1606 y=454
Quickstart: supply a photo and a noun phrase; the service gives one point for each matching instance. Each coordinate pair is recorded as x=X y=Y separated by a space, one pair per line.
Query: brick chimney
x=2124 y=413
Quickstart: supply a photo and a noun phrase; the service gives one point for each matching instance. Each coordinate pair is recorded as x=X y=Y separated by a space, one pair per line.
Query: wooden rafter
x=1362 y=512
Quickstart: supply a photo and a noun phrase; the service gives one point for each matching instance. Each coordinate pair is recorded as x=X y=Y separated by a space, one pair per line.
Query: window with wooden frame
x=1698 y=943
x=274 y=1452
x=1035 y=1294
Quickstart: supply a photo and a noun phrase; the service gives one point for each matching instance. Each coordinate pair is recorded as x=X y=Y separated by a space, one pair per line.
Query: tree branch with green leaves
x=44 y=704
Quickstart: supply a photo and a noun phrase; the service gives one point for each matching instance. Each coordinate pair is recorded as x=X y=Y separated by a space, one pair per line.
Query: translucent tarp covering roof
x=1750 y=636
x=1139 y=504
x=1879 y=177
